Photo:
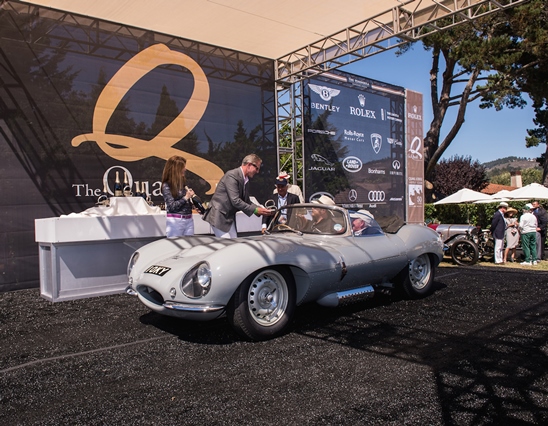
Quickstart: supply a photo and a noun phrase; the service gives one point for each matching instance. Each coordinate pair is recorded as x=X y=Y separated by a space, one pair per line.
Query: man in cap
x=528 y=229
x=498 y=228
x=292 y=189
x=282 y=198
x=322 y=222
x=542 y=222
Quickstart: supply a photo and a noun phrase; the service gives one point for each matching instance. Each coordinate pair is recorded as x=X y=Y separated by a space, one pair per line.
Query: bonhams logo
x=127 y=148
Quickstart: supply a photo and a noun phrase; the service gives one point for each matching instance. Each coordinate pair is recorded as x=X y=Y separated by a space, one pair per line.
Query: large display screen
x=354 y=136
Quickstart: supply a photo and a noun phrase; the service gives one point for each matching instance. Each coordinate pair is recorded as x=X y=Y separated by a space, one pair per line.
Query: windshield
x=309 y=219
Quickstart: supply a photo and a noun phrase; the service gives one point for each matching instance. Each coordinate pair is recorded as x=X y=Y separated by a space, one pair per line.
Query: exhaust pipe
x=347 y=297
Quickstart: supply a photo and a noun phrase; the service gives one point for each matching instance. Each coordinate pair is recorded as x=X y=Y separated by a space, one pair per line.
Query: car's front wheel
x=417 y=280
x=464 y=252
x=263 y=306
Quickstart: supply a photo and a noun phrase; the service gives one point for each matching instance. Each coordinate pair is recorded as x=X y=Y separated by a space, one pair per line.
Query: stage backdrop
x=81 y=99
x=354 y=142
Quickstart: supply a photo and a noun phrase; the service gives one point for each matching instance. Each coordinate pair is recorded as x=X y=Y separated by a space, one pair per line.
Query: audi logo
x=376 y=196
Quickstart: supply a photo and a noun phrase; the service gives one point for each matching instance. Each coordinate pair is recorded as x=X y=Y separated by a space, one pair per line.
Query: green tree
x=531 y=176
x=503 y=178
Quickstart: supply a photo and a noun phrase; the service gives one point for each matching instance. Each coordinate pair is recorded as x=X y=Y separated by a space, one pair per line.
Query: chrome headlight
x=197 y=282
x=132 y=262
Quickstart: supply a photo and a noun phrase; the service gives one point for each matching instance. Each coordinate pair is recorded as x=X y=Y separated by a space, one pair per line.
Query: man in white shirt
x=528 y=230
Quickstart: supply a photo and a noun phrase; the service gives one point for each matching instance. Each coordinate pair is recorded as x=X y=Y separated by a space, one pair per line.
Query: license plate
x=157 y=270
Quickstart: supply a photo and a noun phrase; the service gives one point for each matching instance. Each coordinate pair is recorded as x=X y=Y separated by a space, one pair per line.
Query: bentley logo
x=127 y=148
x=376 y=142
x=326 y=93
x=318 y=157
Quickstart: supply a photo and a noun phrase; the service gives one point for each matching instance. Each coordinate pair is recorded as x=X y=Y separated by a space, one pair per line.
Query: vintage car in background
x=258 y=281
x=466 y=244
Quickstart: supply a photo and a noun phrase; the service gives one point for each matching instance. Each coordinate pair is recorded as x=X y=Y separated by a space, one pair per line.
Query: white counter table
x=85 y=256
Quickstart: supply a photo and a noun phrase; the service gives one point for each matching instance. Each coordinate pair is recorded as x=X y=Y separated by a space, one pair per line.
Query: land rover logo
x=376 y=196
x=352 y=164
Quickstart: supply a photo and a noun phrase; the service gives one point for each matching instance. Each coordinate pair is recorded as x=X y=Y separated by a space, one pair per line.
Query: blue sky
x=486 y=134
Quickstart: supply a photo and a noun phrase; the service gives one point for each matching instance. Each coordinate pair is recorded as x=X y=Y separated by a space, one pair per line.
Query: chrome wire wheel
x=267 y=298
x=420 y=271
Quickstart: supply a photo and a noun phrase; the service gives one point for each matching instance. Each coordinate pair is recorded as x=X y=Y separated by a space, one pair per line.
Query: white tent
x=496 y=198
x=529 y=192
x=464 y=195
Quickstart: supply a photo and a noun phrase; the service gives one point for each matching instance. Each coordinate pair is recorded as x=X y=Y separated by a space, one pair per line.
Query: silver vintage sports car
x=310 y=252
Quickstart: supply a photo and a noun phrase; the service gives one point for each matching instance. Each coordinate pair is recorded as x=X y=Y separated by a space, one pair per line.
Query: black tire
x=417 y=280
x=264 y=305
x=464 y=252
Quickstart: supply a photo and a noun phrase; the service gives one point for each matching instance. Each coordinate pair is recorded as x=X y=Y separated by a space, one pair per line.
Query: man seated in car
x=365 y=225
x=322 y=220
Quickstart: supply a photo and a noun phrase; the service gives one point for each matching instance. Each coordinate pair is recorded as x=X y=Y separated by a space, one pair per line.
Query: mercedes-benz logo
x=353 y=195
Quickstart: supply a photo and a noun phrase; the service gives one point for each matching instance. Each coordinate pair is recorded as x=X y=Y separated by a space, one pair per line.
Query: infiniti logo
x=376 y=196
x=396 y=165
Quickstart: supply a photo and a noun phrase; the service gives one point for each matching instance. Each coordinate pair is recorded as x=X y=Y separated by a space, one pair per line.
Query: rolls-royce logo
x=326 y=93
x=376 y=196
x=376 y=142
x=352 y=164
x=318 y=157
x=353 y=195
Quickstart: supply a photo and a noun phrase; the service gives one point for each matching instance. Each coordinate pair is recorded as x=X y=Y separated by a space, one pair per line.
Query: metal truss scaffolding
x=408 y=22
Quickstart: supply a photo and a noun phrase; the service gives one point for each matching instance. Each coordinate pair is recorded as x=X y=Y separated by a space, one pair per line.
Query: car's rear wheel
x=417 y=280
x=464 y=252
x=263 y=306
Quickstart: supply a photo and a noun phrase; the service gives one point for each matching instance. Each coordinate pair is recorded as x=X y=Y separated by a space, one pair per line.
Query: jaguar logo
x=128 y=148
x=352 y=164
x=318 y=157
x=376 y=196
x=326 y=93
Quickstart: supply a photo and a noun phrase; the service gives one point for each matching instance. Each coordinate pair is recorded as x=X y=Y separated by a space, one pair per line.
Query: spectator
x=542 y=221
x=179 y=220
x=231 y=196
x=512 y=234
x=282 y=198
x=292 y=189
x=498 y=226
x=528 y=230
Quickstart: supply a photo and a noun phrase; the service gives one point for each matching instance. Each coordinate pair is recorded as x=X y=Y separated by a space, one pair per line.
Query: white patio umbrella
x=495 y=198
x=463 y=196
x=529 y=192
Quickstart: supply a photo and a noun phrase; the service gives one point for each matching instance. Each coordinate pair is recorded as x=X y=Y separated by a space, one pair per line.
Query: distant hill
x=508 y=164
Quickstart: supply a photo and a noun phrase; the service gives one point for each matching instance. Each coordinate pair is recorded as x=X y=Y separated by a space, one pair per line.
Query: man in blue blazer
x=282 y=198
x=231 y=196
x=498 y=228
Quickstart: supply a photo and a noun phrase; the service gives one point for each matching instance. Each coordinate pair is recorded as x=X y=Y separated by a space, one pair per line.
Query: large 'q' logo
x=376 y=196
x=127 y=148
x=352 y=164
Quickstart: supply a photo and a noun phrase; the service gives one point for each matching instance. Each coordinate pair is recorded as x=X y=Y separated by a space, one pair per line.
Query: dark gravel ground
x=473 y=353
